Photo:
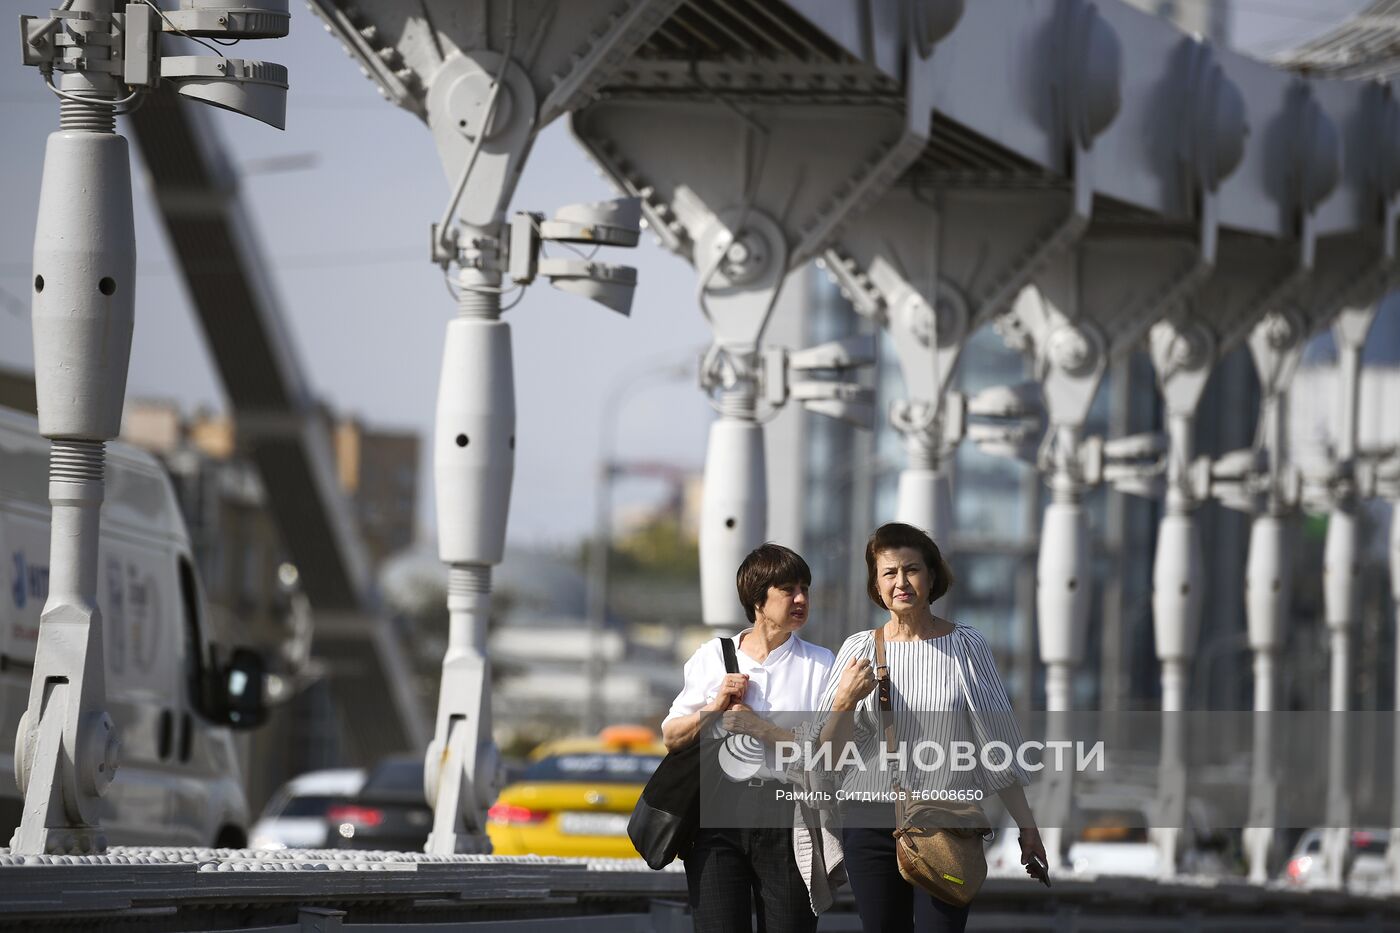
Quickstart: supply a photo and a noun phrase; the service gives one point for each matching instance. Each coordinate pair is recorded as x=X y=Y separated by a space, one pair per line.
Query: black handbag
x=664 y=821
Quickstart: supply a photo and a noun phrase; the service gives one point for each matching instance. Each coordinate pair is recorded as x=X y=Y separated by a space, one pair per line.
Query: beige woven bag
x=939 y=844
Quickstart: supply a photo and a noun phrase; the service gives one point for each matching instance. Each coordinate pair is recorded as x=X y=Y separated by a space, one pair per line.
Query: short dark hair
x=891 y=537
x=769 y=565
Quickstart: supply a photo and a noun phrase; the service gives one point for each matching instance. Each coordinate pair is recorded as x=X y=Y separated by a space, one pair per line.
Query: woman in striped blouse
x=935 y=667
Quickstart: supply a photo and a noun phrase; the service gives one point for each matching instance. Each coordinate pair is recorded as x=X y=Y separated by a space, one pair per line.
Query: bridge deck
x=226 y=889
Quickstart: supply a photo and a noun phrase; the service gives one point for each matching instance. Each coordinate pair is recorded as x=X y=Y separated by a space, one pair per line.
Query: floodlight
x=1136 y=447
x=1239 y=465
x=1013 y=440
x=1016 y=401
x=1137 y=464
x=847 y=353
x=611 y=286
x=602 y=223
x=229 y=19
x=845 y=401
x=254 y=89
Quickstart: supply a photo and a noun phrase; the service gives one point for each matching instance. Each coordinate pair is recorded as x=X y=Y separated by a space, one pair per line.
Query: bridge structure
x=1082 y=175
x=281 y=425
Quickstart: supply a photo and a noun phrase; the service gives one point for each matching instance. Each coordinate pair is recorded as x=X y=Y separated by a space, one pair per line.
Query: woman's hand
x=731 y=691
x=743 y=720
x=856 y=682
x=1032 y=846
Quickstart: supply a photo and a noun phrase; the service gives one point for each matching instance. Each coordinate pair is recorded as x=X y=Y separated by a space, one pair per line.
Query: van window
x=195 y=659
x=166 y=736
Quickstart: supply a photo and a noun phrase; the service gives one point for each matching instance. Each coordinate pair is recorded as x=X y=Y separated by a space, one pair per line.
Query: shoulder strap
x=882 y=670
x=731 y=660
x=882 y=690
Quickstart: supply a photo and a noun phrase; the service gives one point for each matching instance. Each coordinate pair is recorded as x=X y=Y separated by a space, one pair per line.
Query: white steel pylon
x=105 y=57
x=486 y=82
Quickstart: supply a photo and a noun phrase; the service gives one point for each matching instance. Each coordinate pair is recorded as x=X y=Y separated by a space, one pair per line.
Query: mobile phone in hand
x=1039 y=870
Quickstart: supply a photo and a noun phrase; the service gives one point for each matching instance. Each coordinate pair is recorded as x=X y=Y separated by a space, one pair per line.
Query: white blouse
x=791 y=678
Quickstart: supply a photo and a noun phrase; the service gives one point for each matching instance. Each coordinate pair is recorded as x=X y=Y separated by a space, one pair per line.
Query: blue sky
x=346 y=240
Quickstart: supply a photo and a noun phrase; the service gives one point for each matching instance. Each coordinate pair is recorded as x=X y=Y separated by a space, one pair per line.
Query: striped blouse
x=943 y=690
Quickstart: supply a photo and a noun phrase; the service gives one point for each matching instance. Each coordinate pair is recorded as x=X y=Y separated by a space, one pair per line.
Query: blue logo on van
x=31 y=581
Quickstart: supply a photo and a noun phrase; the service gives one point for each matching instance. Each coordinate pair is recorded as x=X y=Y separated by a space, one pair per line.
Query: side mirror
x=239 y=690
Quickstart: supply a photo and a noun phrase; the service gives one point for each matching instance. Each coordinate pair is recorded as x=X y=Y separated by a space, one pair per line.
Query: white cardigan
x=816 y=847
x=819 y=856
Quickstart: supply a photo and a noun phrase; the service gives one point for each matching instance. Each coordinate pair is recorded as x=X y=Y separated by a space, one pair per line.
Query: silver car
x=295 y=817
x=1365 y=861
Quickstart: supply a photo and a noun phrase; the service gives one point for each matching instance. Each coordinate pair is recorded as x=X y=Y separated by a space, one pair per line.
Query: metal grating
x=737 y=30
x=954 y=150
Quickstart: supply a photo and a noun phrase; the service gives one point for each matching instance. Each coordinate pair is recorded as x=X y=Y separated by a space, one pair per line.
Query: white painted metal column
x=105 y=57
x=1276 y=344
x=485 y=82
x=1340 y=576
x=1393 y=482
x=84 y=284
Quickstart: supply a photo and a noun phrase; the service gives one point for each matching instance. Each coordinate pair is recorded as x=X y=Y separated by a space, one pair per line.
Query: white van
x=171 y=695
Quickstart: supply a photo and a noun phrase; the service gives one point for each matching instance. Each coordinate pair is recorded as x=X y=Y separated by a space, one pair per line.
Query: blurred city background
x=608 y=408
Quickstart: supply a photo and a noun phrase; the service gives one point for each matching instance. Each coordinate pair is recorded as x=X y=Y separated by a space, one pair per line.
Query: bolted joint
x=1087 y=462
x=443 y=248
x=478 y=251
x=1177 y=347
x=846 y=274
x=433 y=762
x=38 y=47
x=25 y=745
x=98 y=754
x=745 y=258
x=1065 y=457
x=913 y=417
x=1281 y=331
x=1073 y=351
x=725 y=370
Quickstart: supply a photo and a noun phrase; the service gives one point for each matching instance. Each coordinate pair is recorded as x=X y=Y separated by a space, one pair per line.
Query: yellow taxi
x=576 y=796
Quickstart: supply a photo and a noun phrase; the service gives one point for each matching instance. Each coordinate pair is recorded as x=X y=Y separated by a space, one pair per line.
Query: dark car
x=388 y=813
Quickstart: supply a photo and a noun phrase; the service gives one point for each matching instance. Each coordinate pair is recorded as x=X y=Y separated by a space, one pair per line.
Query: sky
x=346 y=240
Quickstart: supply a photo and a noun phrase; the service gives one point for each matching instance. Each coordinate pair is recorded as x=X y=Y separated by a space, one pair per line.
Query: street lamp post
x=597 y=581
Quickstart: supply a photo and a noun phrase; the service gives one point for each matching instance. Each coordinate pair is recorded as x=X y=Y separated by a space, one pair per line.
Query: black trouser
x=734 y=874
x=885 y=901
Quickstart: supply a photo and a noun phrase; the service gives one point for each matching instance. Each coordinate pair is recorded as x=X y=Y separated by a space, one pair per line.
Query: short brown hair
x=769 y=565
x=891 y=537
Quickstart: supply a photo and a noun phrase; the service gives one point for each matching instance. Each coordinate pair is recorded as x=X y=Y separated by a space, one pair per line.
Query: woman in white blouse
x=734 y=873
x=934 y=666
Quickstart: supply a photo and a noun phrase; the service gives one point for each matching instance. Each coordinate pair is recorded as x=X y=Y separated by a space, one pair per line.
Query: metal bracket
x=1183 y=354
x=483 y=158
x=742 y=258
